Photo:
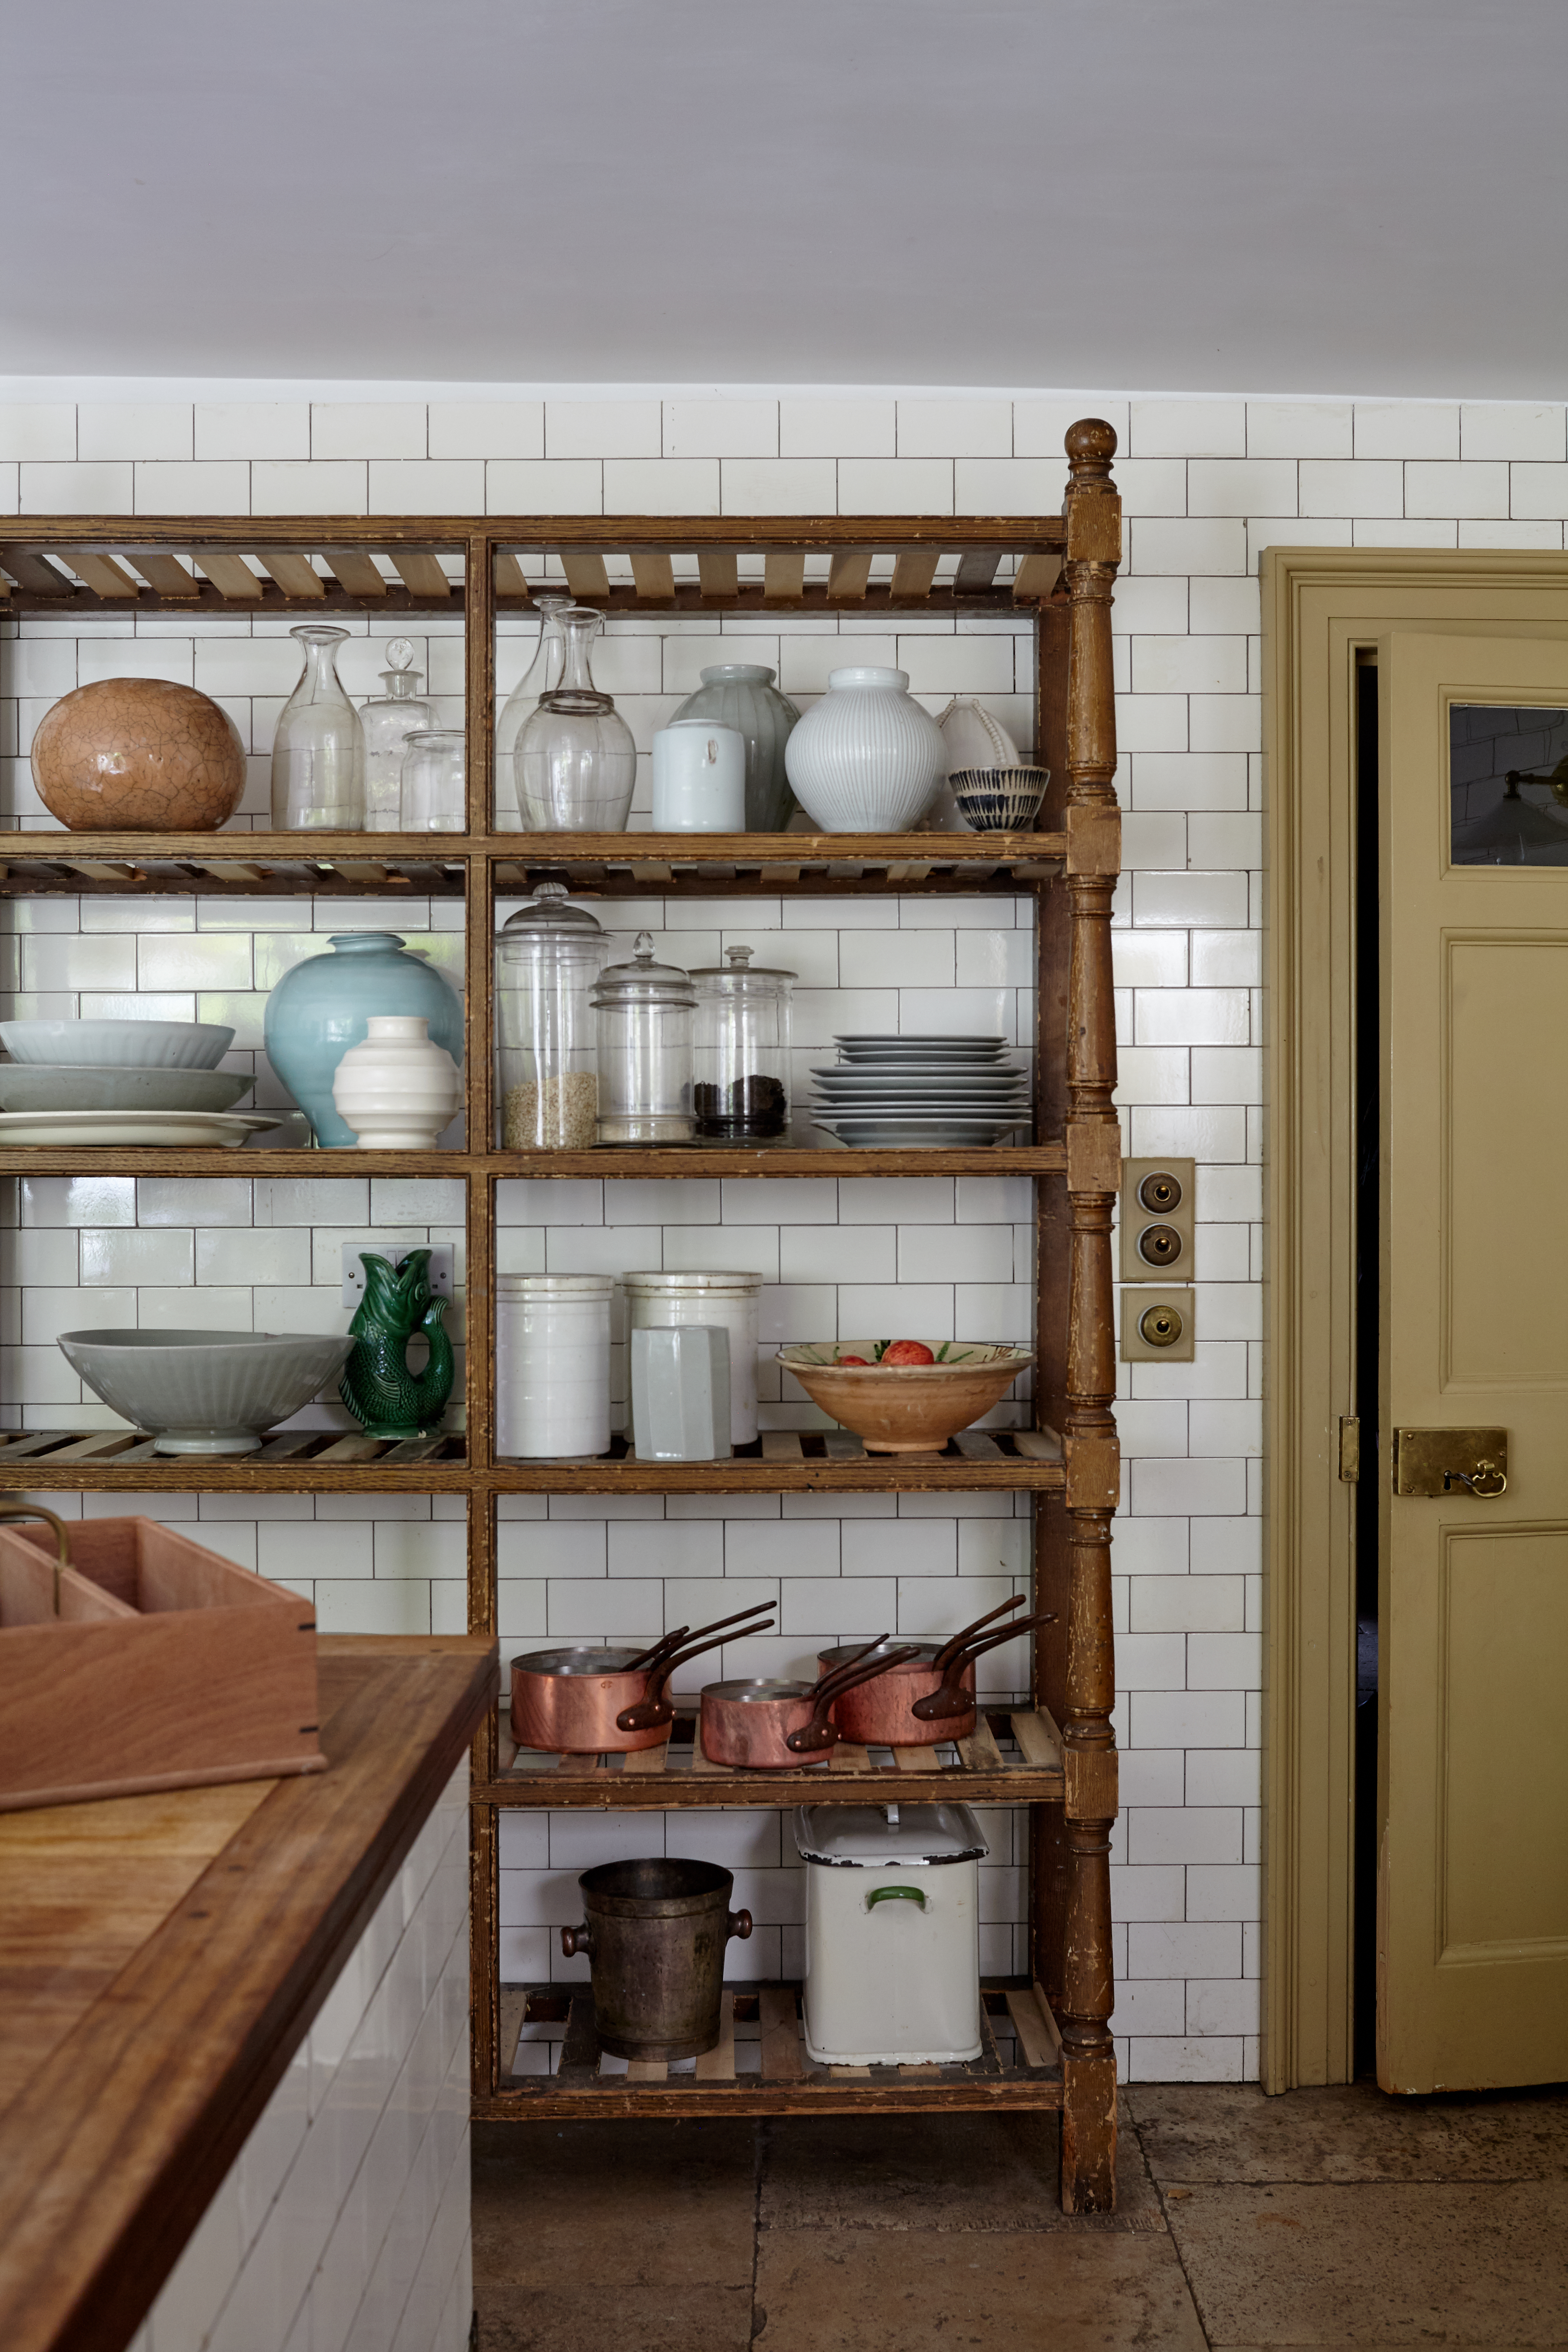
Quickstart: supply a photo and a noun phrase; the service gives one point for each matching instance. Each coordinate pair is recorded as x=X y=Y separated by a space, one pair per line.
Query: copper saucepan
x=578 y=1701
x=930 y=1696
x=770 y=1726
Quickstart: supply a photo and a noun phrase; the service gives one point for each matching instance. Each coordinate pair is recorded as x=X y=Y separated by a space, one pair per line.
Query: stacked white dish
x=122 y=1082
x=886 y=1091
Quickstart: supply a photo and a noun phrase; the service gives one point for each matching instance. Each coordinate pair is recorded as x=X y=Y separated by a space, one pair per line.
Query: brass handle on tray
x=62 y=1539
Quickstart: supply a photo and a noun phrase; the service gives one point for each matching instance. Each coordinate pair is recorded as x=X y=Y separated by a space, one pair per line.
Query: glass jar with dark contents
x=742 y=1051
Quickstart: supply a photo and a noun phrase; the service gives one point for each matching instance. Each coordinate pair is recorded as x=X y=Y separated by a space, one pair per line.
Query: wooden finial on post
x=1092 y=511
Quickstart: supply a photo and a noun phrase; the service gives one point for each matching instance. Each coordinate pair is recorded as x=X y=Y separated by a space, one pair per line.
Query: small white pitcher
x=698 y=778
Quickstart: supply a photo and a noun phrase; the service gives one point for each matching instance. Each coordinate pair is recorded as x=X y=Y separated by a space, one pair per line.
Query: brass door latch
x=1438 y=1462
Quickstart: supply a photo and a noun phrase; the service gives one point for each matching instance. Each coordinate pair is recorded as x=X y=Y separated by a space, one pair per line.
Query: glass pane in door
x=1508 y=784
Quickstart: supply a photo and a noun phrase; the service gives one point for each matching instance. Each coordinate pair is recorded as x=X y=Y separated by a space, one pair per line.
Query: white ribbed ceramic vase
x=865 y=758
x=397 y=1090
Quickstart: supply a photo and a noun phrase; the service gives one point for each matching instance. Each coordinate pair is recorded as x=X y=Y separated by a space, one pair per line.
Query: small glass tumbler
x=433 y=782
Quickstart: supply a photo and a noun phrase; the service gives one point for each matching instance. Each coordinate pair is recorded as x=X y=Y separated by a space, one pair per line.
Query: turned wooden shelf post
x=1093 y=515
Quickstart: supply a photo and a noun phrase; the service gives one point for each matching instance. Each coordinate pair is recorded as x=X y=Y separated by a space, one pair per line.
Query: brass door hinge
x=1350 y=1449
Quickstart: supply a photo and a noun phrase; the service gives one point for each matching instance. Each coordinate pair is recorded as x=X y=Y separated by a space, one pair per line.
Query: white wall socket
x=353 y=1272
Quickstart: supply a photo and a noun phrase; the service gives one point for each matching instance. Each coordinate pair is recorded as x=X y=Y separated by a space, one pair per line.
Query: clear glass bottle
x=543 y=672
x=740 y=1050
x=388 y=721
x=575 y=760
x=433 y=793
x=548 y=957
x=644 y=1049
x=317 y=752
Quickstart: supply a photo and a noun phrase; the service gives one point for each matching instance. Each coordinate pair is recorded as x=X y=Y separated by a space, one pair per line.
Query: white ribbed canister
x=729 y=1299
x=553 y=1364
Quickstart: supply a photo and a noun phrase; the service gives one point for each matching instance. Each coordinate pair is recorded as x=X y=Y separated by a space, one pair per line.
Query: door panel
x=1473 y=1769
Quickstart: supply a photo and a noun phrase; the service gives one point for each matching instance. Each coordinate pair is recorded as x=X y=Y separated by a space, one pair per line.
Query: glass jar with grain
x=548 y=957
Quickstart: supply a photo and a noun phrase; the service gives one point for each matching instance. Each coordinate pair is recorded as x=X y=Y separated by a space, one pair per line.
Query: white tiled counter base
x=344 y=2224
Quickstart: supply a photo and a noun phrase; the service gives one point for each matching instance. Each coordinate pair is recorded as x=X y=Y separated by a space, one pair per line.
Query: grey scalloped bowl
x=206 y=1393
x=79 y=1086
x=905 y=1408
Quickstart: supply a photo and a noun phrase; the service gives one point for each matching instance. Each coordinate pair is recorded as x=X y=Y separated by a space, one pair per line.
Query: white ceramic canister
x=698 y=778
x=552 y=1365
x=396 y=1090
x=732 y=1301
x=865 y=758
x=680 y=1391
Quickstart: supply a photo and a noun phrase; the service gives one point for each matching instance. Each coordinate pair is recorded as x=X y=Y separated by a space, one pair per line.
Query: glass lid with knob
x=644 y=1012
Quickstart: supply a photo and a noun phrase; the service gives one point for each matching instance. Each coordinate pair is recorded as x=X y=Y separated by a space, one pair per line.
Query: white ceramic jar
x=396 y=1090
x=865 y=758
x=698 y=778
x=552 y=1365
x=729 y=1299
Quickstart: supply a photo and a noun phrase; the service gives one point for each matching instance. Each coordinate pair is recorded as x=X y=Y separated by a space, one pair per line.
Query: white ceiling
x=1271 y=195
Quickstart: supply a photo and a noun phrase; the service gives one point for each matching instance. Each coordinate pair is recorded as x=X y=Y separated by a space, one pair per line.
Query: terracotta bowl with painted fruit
x=900 y=1396
x=141 y=754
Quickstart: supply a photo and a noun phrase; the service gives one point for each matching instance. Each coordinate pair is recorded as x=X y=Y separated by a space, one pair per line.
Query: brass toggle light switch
x=1157 y=1327
x=1157 y=1207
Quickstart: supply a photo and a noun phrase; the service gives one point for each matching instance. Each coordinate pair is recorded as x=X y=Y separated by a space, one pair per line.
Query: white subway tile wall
x=342 y=2225
x=1208 y=484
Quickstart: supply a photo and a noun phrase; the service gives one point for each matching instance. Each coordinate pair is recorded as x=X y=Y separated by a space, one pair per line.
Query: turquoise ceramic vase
x=322 y=1007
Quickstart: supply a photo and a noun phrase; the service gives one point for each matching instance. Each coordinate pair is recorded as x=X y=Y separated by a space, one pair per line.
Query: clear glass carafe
x=317 y=752
x=548 y=957
x=741 y=1049
x=543 y=672
x=575 y=760
x=644 y=1049
x=388 y=721
x=435 y=781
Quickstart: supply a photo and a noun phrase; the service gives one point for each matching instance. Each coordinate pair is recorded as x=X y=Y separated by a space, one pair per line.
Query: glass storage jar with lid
x=740 y=1050
x=548 y=956
x=644 y=1049
x=388 y=721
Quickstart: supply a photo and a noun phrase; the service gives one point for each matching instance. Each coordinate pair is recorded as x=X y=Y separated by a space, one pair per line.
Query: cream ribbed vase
x=396 y=1090
x=865 y=758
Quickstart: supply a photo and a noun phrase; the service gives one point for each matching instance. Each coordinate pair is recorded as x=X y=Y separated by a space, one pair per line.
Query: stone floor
x=1327 y=2218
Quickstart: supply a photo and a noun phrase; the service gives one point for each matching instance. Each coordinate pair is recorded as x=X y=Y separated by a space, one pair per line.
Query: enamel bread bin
x=892 y=1934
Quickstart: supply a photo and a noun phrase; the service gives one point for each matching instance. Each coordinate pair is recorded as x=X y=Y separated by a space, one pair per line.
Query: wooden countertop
x=161 y=1959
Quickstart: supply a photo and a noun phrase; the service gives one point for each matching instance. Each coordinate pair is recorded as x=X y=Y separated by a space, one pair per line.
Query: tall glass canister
x=388 y=721
x=548 y=956
x=575 y=759
x=317 y=752
x=740 y=1050
x=644 y=1049
x=543 y=672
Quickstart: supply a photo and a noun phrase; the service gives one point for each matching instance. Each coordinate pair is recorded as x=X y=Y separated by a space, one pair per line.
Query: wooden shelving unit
x=1059 y=572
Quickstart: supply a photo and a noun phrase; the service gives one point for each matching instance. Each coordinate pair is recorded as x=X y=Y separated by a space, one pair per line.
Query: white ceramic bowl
x=41 y=1086
x=144 y=1045
x=207 y=1392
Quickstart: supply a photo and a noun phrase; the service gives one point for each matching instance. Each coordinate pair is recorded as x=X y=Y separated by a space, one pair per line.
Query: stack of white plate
x=123 y=1082
x=927 y=1091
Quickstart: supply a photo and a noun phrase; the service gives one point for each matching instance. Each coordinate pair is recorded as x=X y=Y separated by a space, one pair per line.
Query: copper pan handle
x=653 y=1708
x=960 y=1640
x=818 y=1733
x=657 y=1650
x=951 y=1698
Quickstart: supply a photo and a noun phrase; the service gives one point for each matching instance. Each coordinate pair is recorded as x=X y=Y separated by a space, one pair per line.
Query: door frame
x=1320 y=606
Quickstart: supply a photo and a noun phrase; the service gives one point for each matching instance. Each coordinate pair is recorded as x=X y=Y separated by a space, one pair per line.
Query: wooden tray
x=167 y=1667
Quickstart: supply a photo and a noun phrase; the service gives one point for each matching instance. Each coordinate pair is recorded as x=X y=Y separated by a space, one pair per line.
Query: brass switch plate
x=1157 y=1325
x=1438 y=1462
x=1157 y=1220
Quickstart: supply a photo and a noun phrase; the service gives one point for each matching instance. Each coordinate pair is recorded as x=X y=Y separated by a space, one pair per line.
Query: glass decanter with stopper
x=543 y=672
x=388 y=721
x=575 y=759
x=317 y=752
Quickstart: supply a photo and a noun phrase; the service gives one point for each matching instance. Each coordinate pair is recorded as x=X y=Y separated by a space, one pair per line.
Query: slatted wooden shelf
x=632 y=563
x=783 y=2080
x=50 y=863
x=299 y=1460
x=695 y=1159
x=1012 y=1757
x=806 y=1462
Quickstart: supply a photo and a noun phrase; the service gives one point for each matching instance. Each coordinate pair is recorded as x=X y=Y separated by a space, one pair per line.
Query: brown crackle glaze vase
x=140 y=753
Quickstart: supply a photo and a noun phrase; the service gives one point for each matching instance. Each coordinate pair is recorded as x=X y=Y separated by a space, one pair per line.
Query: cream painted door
x=1473 y=1779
